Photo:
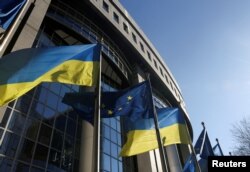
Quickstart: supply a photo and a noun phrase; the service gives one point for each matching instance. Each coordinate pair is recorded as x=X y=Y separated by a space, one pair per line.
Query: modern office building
x=40 y=133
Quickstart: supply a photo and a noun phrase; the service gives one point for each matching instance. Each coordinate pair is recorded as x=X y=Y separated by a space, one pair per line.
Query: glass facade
x=39 y=132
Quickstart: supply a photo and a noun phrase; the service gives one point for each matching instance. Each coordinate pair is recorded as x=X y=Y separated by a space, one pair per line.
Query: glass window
x=142 y=47
x=161 y=71
x=23 y=104
x=113 y=123
x=60 y=122
x=116 y=17
x=105 y=162
x=105 y=146
x=55 y=87
x=125 y=27
x=27 y=148
x=57 y=140
x=52 y=100
x=36 y=110
x=105 y=6
x=67 y=154
x=16 y=122
x=155 y=64
x=166 y=78
x=21 y=167
x=106 y=121
x=106 y=131
x=9 y=145
x=40 y=156
x=62 y=107
x=64 y=89
x=41 y=94
x=49 y=116
x=54 y=160
x=113 y=136
x=114 y=150
x=45 y=134
x=134 y=38
x=71 y=128
x=6 y=164
x=114 y=164
x=31 y=128
x=149 y=56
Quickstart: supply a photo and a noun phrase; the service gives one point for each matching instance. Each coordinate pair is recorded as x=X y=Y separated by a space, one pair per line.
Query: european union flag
x=134 y=102
x=203 y=145
x=217 y=150
x=189 y=165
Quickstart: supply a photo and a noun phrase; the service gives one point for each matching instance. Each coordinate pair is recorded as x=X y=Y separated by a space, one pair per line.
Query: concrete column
x=173 y=158
x=86 y=147
x=30 y=29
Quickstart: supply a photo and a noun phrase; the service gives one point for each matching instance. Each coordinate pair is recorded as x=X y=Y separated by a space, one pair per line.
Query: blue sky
x=206 y=45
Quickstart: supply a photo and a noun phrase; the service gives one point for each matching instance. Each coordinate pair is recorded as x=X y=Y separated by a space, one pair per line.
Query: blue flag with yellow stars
x=203 y=145
x=135 y=102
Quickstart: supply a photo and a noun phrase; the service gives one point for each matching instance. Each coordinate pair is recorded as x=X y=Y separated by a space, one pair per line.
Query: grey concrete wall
x=31 y=27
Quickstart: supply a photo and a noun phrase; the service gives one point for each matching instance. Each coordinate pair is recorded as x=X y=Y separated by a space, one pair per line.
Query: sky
x=206 y=45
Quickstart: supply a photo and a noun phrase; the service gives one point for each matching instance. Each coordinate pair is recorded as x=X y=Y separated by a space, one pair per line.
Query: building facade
x=40 y=133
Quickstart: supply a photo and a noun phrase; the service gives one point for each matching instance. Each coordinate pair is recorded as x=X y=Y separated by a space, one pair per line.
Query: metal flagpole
x=190 y=143
x=97 y=121
x=159 y=140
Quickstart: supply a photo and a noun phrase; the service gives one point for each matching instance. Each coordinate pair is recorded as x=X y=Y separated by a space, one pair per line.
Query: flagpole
x=157 y=130
x=190 y=141
x=97 y=121
x=217 y=140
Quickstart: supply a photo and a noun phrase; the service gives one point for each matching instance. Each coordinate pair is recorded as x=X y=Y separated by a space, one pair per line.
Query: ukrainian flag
x=22 y=70
x=141 y=136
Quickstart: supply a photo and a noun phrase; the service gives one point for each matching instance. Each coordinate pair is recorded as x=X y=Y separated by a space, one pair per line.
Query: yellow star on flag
x=129 y=98
x=103 y=106
x=119 y=109
x=110 y=112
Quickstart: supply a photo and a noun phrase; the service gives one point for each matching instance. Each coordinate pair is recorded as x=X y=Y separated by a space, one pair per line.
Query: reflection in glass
x=45 y=134
x=71 y=128
x=9 y=144
x=114 y=164
x=5 y=164
x=114 y=151
x=31 y=128
x=27 y=149
x=22 y=167
x=67 y=154
x=40 y=156
x=105 y=146
x=60 y=123
x=57 y=140
x=16 y=122
x=105 y=162
x=54 y=160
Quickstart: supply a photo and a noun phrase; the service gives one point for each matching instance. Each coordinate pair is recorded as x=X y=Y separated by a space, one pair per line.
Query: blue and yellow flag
x=22 y=70
x=8 y=11
x=141 y=136
x=134 y=102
